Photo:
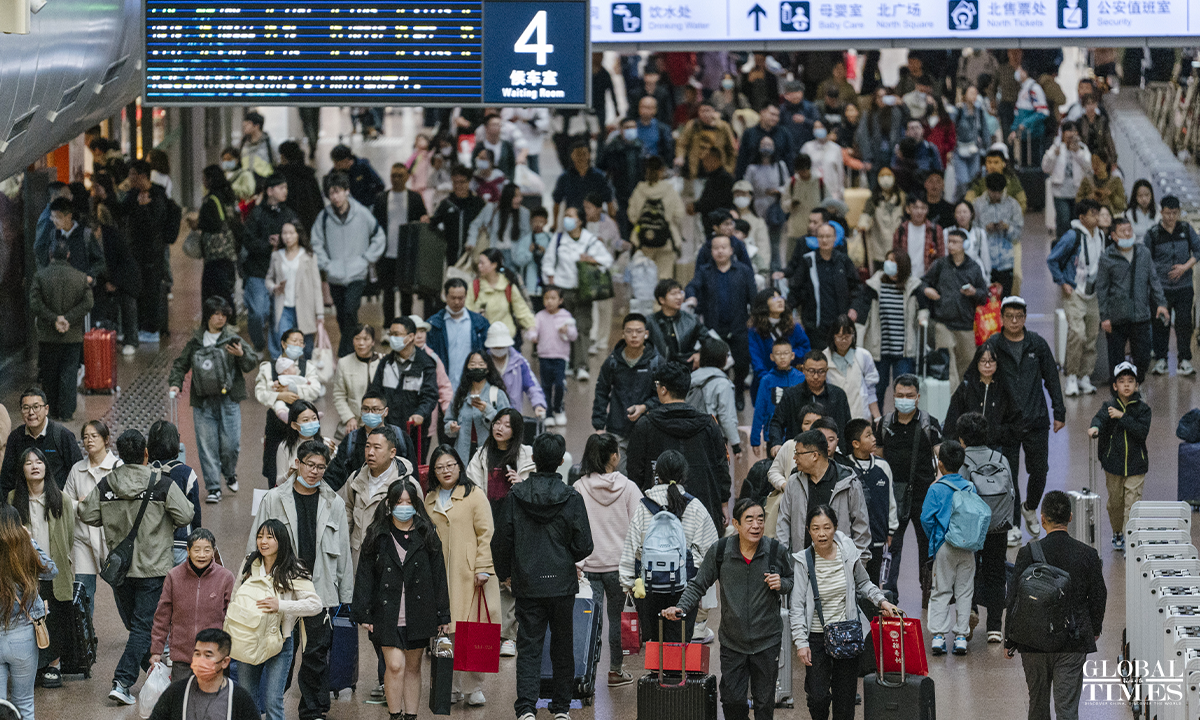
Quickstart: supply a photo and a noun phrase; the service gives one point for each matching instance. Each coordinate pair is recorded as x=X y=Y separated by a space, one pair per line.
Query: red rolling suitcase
x=100 y=361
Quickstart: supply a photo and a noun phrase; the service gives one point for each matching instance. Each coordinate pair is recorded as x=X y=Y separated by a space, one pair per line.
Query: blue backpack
x=970 y=517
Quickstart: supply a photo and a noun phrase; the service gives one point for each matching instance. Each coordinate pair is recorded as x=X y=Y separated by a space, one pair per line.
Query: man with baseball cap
x=1024 y=364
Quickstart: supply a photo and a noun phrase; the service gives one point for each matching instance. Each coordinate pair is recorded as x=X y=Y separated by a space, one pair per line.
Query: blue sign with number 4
x=535 y=54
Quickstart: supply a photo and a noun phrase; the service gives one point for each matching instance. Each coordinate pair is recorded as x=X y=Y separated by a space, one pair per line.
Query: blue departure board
x=375 y=52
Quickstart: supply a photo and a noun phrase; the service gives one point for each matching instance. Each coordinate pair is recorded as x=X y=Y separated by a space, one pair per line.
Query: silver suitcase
x=1085 y=507
x=783 y=682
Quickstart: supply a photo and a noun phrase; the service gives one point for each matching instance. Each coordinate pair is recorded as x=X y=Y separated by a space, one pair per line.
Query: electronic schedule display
x=375 y=52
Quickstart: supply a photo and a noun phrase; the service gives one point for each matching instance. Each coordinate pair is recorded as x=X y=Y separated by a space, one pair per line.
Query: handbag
x=776 y=217
x=192 y=247
x=987 y=316
x=441 y=675
x=631 y=635
x=899 y=645
x=843 y=640
x=462 y=268
x=120 y=559
x=595 y=282
x=40 y=631
x=323 y=354
x=477 y=643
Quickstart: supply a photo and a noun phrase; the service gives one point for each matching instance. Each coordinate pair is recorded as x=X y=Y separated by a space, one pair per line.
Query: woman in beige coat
x=655 y=188
x=350 y=381
x=295 y=281
x=463 y=517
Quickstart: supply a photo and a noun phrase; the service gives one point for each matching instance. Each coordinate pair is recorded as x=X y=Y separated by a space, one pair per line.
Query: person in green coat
x=60 y=297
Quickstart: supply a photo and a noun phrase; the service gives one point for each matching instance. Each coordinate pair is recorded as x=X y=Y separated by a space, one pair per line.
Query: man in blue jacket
x=455 y=332
x=722 y=293
x=953 y=567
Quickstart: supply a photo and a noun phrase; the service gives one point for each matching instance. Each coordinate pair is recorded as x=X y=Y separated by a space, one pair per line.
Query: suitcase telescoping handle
x=882 y=636
x=1092 y=442
x=682 y=652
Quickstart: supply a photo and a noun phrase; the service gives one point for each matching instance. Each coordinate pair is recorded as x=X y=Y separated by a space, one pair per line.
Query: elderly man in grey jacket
x=315 y=518
x=1130 y=295
x=820 y=481
x=346 y=239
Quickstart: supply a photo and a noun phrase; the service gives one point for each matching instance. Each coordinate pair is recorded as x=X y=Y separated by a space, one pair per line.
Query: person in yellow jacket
x=496 y=293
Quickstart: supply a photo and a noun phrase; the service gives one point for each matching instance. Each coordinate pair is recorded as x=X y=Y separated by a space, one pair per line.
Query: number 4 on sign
x=539 y=47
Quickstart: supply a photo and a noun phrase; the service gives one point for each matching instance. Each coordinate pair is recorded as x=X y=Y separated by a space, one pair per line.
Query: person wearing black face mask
x=479 y=397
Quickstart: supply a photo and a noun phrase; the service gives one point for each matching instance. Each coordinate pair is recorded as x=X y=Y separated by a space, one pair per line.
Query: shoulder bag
x=120 y=559
x=595 y=282
x=843 y=640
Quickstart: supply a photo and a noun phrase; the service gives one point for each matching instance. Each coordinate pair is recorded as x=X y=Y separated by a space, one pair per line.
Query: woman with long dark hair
x=667 y=494
x=218 y=247
x=506 y=222
x=50 y=517
x=479 y=397
x=463 y=519
x=890 y=303
x=504 y=458
x=400 y=592
x=770 y=320
x=274 y=569
x=1143 y=209
x=24 y=563
x=304 y=423
x=295 y=282
x=90 y=548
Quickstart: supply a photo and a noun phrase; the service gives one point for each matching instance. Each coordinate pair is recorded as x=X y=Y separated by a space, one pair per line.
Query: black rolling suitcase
x=421 y=260
x=898 y=696
x=343 y=652
x=1029 y=172
x=79 y=650
x=586 y=641
x=693 y=697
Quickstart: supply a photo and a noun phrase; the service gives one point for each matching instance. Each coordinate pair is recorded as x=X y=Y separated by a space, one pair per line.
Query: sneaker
x=213 y=498
x=939 y=645
x=562 y=716
x=705 y=638
x=582 y=375
x=594 y=349
x=960 y=645
x=1185 y=368
x=147 y=336
x=549 y=421
x=561 y=419
x=231 y=485
x=739 y=402
x=1086 y=387
x=50 y=677
x=455 y=697
x=476 y=699
x=1014 y=537
x=1118 y=541
x=995 y=636
x=971 y=625
x=121 y=694
x=508 y=648
x=619 y=678
x=1160 y=367
x=377 y=696
x=1071 y=387
x=526 y=716
x=128 y=350
x=1032 y=525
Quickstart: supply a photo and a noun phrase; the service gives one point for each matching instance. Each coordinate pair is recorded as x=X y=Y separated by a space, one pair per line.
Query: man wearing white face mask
x=407 y=378
x=826 y=160
x=1127 y=287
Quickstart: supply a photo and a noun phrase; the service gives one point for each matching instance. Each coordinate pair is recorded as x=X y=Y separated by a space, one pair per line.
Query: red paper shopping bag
x=477 y=644
x=897 y=638
x=631 y=637
x=987 y=316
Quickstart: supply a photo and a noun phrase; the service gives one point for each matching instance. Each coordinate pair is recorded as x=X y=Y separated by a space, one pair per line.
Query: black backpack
x=1188 y=429
x=1040 y=618
x=653 y=230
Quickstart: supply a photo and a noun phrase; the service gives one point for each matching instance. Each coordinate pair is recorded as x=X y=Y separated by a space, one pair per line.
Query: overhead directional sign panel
x=615 y=21
x=371 y=52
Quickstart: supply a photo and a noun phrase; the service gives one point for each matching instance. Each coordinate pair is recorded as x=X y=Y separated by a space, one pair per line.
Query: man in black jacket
x=1024 y=365
x=263 y=227
x=198 y=691
x=394 y=208
x=456 y=213
x=625 y=386
x=676 y=425
x=1061 y=673
x=144 y=211
x=540 y=563
x=955 y=286
x=407 y=378
x=675 y=334
x=51 y=437
x=785 y=424
x=718 y=185
x=351 y=452
x=825 y=286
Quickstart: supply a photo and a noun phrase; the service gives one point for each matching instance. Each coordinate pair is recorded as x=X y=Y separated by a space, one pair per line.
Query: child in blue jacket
x=953 y=567
x=771 y=388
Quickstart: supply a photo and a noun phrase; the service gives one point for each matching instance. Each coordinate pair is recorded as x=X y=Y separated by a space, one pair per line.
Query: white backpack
x=257 y=636
x=666 y=558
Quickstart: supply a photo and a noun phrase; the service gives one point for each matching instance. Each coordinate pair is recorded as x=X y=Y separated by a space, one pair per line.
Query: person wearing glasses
x=625 y=386
x=53 y=438
x=789 y=414
x=315 y=518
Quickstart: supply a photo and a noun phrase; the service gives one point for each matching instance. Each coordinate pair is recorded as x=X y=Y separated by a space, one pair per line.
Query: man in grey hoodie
x=346 y=239
x=114 y=505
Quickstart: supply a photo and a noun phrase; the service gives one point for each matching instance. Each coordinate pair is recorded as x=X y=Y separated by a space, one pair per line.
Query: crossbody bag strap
x=812 y=579
x=137 y=522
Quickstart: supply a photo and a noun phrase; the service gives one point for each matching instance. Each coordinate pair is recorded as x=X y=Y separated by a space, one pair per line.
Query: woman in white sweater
x=354 y=373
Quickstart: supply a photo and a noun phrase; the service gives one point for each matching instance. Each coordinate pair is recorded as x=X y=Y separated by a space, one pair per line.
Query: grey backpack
x=988 y=471
x=211 y=374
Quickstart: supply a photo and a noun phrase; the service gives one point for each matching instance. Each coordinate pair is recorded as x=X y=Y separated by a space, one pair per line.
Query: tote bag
x=477 y=643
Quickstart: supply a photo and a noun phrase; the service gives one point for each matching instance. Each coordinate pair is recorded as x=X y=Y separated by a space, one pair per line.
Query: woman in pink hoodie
x=611 y=499
x=195 y=596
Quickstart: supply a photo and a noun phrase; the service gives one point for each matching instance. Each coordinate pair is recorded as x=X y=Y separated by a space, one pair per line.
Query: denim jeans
x=218 y=423
x=346 y=301
x=258 y=309
x=891 y=367
x=965 y=170
x=266 y=682
x=287 y=321
x=607 y=585
x=553 y=371
x=19 y=663
x=137 y=600
x=1064 y=213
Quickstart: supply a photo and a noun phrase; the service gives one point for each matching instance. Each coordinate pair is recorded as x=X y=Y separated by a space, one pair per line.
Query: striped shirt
x=891 y=319
x=831 y=583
